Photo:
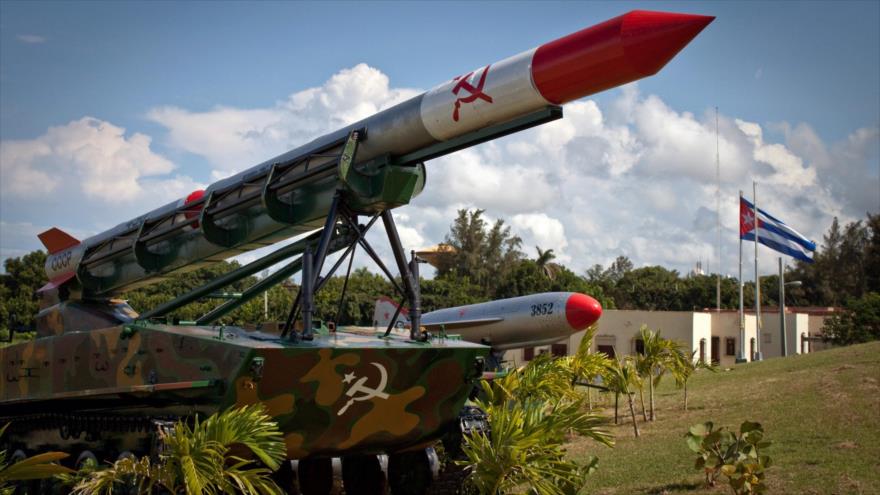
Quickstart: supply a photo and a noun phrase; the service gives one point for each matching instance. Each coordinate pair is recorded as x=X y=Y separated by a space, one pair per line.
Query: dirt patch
x=848 y=485
x=844 y=367
x=674 y=488
x=847 y=445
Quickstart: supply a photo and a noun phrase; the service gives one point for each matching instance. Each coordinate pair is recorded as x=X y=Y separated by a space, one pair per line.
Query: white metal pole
x=717 y=216
x=783 y=338
x=758 y=324
x=742 y=315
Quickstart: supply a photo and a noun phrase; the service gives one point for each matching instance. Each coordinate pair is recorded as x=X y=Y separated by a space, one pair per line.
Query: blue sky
x=806 y=74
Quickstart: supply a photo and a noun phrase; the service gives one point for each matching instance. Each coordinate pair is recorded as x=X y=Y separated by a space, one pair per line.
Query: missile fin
x=56 y=282
x=57 y=240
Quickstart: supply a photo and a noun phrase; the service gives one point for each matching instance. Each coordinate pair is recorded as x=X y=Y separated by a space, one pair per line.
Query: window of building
x=608 y=350
x=766 y=338
x=559 y=350
x=702 y=350
x=528 y=353
x=752 y=349
x=729 y=346
x=640 y=346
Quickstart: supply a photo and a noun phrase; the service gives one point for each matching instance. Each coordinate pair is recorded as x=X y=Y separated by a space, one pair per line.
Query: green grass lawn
x=821 y=411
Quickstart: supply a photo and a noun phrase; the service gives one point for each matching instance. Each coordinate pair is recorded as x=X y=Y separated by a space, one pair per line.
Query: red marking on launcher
x=475 y=92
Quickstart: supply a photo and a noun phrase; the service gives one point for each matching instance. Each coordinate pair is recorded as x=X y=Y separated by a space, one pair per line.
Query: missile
x=504 y=324
x=292 y=193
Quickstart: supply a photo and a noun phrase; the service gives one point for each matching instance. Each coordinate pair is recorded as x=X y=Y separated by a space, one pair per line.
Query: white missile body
x=525 y=321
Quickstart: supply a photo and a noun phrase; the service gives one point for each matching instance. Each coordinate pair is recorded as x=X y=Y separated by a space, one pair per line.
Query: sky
x=108 y=110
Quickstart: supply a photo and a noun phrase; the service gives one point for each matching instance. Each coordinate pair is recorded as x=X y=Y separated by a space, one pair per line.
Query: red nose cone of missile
x=615 y=52
x=582 y=311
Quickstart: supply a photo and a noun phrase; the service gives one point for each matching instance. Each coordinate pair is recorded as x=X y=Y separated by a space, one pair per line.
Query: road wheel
x=410 y=473
x=315 y=476
x=363 y=475
x=285 y=478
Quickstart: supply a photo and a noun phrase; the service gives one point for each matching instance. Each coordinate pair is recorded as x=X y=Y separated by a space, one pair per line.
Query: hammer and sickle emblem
x=359 y=387
x=475 y=92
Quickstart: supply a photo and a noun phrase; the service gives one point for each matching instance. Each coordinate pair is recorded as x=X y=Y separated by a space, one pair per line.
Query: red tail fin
x=56 y=240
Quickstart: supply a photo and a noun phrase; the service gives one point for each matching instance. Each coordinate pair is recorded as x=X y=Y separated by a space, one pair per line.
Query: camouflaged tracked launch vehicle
x=104 y=391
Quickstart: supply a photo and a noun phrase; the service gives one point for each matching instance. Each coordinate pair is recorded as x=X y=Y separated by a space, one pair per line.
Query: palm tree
x=528 y=431
x=659 y=357
x=644 y=375
x=544 y=378
x=621 y=378
x=586 y=366
x=199 y=459
x=544 y=262
x=36 y=467
x=684 y=369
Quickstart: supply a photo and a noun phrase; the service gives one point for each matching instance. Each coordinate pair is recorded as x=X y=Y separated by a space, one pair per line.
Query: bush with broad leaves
x=737 y=456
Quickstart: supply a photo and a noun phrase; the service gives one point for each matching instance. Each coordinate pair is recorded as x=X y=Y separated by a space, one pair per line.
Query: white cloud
x=84 y=176
x=89 y=154
x=848 y=169
x=233 y=139
x=540 y=230
x=31 y=39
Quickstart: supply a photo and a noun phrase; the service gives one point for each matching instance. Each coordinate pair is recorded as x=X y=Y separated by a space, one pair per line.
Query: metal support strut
x=312 y=264
x=307 y=290
x=410 y=282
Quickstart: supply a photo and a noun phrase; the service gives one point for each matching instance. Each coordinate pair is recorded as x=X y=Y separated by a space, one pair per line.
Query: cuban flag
x=773 y=233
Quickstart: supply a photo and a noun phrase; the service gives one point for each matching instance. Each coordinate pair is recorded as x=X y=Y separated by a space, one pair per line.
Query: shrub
x=736 y=456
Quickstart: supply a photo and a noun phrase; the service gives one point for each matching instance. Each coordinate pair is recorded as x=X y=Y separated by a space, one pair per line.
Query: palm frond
x=124 y=472
x=36 y=467
x=196 y=459
x=252 y=427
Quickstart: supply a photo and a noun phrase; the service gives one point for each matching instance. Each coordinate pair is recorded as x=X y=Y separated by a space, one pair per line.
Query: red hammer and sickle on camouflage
x=476 y=92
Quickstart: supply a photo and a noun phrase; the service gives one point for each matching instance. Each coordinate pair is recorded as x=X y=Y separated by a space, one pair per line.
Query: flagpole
x=783 y=340
x=718 y=215
x=742 y=316
x=758 y=325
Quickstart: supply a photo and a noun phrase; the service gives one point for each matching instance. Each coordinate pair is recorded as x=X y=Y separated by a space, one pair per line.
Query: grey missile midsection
x=395 y=131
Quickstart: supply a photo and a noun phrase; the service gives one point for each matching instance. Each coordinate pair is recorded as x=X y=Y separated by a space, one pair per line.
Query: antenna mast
x=718 y=214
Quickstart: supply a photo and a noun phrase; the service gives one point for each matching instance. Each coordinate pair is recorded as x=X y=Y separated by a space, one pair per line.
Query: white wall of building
x=725 y=325
x=796 y=326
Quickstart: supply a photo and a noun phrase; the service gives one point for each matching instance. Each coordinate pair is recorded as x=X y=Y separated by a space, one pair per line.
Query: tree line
x=488 y=261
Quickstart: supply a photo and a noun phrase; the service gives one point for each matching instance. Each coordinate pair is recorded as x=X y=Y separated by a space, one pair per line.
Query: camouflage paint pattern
x=340 y=394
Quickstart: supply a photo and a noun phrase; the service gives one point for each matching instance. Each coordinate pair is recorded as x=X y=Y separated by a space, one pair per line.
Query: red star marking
x=475 y=92
x=749 y=220
x=460 y=312
x=746 y=219
x=387 y=315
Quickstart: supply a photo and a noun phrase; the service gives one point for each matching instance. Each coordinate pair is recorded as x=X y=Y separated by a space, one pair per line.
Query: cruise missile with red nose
x=376 y=164
x=525 y=321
